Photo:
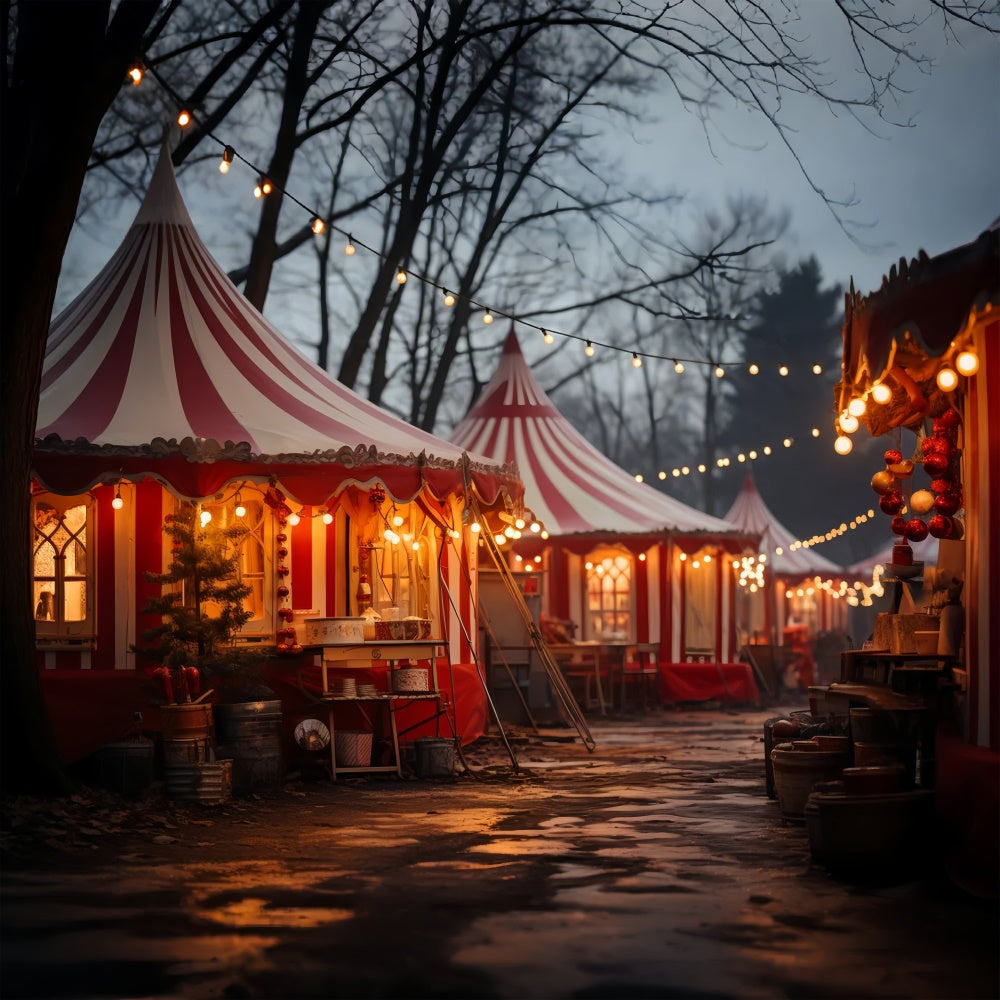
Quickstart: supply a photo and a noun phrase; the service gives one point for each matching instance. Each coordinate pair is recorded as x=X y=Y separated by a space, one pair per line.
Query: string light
x=754 y=369
x=636 y=360
x=967 y=363
x=817 y=369
x=136 y=72
x=318 y=225
x=293 y=519
x=240 y=510
x=206 y=516
x=856 y=407
x=947 y=379
x=843 y=445
x=265 y=187
x=881 y=393
x=783 y=371
x=227 y=158
x=589 y=349
x=117 y=503
x=400 y=276
x=327 y=517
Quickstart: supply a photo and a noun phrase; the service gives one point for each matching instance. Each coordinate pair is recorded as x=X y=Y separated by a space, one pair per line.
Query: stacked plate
x=346 y=688
x=367 y=691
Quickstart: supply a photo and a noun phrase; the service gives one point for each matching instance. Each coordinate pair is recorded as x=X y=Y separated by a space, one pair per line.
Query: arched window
x=62 y=532
x=610 y=610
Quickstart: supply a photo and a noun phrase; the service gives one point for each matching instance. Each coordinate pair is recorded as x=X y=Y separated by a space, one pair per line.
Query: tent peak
x=163 y=202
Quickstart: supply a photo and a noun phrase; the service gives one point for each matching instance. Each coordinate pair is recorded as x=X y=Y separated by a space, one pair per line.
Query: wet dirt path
x=655 y=867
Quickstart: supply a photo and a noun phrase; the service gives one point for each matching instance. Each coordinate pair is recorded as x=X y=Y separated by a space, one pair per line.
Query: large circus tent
x=597 y=517
x=162 y=384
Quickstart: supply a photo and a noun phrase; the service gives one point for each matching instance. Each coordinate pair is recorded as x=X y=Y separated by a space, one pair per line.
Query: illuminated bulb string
x=266 y=187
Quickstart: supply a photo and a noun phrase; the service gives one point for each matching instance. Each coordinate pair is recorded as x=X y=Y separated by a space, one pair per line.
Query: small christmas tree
x=202 y=613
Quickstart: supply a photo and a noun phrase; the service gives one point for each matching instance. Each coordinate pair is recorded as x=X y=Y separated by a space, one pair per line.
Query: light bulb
x=227 y=158
x=815 y=432
x=449 y=299
x=547 y=337
x=294 y=519
x=535 y=528
x=258 y=191
x=678 y=368
x=783 y=370
x=856 y=407
x=117 y=503
x=589 y=349
x=266 y=186
x=754 y=369
x=636 y=361
x=135 y=74
x=328 y=518
x=475 y=527
x=767 y=449
x=661 y=475
x=881 y=393
x=224 y=167
x=848 y=424
x=240 y=511
x=719 y=371
x=787 y=442
x=318 y=226
x=487 y=317
x=638 y=477
x=397 y=521
x=843 y=445
x=400 y=277
x=686 y=469
x=184 y=118
x=500 y=539
x=947 y=379
x=206 y=516
x=349 y=250
x=967 y=363
x=817 y=369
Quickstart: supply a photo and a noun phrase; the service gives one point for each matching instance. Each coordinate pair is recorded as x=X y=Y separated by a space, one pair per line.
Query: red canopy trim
x=581 y=544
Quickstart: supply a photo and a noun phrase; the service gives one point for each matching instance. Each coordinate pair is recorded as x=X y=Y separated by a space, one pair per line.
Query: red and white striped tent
x=162 y=382
x=927 y=312
x=587 y=503
x=786 y=566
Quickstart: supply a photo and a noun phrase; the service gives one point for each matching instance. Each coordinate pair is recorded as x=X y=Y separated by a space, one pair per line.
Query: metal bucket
x=209 y=782
x=249 y=732
x=186 y=721
x=182 y=752
x=435 y=758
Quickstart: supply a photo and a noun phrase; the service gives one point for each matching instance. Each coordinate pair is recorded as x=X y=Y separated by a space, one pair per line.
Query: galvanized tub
x=249 y=733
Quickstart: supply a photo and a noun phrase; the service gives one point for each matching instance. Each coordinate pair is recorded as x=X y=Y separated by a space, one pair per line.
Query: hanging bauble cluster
x=940 y=460
x=888 y=484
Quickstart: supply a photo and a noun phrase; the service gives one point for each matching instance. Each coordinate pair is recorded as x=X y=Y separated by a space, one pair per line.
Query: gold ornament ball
x=883 y=481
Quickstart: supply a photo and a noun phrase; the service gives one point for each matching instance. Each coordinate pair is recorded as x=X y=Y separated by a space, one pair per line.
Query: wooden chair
x=641 y=668
x=582 y=662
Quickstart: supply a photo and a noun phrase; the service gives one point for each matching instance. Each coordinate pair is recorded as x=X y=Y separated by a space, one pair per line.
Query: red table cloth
x=708 y=682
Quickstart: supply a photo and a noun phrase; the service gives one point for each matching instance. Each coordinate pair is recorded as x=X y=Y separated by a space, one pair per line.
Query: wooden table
x=590 y=660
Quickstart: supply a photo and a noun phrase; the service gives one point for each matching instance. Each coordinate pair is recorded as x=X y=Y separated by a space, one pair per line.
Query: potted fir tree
x=195 y=643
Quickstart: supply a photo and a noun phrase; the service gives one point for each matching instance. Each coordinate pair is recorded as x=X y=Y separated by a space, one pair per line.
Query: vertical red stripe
x=326 y=602
x=988 y=496
x=105 y=576
x=665 y=582
x=150 y=502
x=682 y=583
x=299 y=563
x=722 y=646
x=641 y=600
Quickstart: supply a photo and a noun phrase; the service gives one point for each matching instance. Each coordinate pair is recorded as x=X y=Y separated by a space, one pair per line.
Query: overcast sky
x=932 y=186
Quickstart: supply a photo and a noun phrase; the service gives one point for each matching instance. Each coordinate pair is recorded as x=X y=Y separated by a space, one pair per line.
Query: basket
x=353 y=748
x=409 y=629
x=411 y=679
x=795 y=774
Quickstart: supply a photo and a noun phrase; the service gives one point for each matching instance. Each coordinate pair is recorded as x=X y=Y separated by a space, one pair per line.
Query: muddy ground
x=654 y=867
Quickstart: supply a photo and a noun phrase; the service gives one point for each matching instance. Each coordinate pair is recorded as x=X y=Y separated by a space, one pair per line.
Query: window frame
x=600 y=555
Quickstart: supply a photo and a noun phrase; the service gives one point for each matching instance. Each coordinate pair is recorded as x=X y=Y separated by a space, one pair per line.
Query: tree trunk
x=68 y=66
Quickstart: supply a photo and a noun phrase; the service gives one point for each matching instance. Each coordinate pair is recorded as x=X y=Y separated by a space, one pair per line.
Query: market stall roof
x=915 y=317
x=161 y=368
x=751 y=514
x=568 y=483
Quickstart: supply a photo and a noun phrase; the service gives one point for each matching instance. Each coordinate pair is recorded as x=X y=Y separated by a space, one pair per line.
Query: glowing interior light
x=206 y=516
x=701 y=467
x=843 y=445
x=535 y=528
x=967 y=363
x=686 y=469
x=947 y=379
x=240 y=511
x=475 y=527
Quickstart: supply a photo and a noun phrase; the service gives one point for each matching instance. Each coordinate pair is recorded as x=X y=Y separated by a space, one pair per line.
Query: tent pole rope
x=556 y=679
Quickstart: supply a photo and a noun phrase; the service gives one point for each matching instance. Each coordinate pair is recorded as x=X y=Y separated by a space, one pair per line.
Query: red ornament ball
x=892 y=456
x=942 y=485
x=935 y=464
x=892 y=502
x=916 y=530
x=941 y=526
x=947 y=503
x=898 y=525
x=949 y=419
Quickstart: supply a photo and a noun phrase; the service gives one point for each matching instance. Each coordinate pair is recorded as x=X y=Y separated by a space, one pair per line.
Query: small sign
x=530 y=585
